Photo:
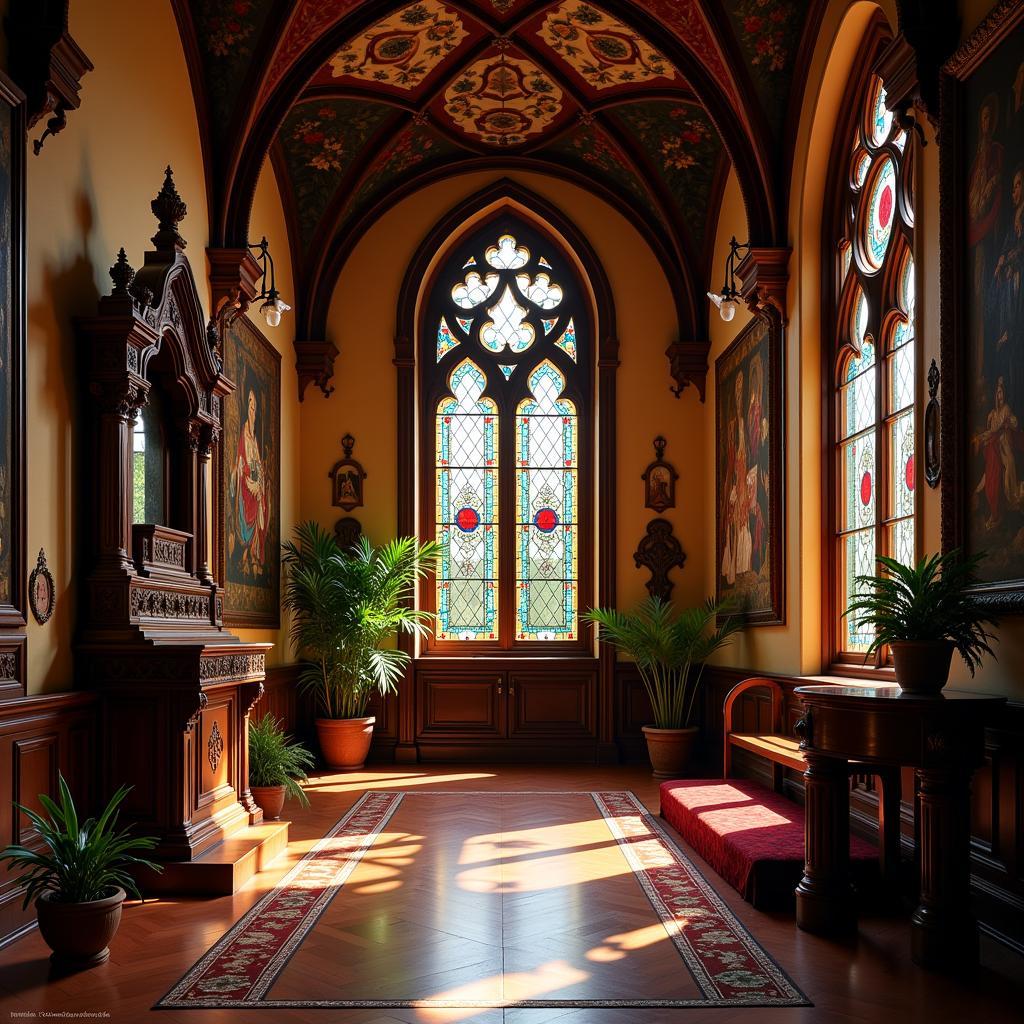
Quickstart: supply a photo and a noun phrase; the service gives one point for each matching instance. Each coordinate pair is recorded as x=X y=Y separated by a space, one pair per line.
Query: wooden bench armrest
x=747 y=684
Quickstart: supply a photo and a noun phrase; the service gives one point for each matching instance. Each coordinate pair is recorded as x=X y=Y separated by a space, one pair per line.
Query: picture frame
x=660 y=480
x=749 y=503
x=42 y=592
x=249 y=486
x=981 y=205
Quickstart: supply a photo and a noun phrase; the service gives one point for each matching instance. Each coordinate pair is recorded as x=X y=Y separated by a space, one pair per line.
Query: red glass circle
x=467 y=519
x=909 y=472
x=545 y=520
x=865 y=489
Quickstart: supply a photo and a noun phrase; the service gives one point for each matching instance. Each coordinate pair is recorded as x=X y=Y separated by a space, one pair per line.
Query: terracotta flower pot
x=270 y=799
x=922 y=666
x=79 y=933
x=670 y=750
x=345 y=742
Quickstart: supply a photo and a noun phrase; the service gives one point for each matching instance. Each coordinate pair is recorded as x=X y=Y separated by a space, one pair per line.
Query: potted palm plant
x=80 y=875
x=923 y=613
x=346 y=605
x=670 y=651
x=276 y=767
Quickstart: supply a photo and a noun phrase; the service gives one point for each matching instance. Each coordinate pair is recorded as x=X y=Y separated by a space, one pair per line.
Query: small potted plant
x=80 y=876
x=276 y=767
x=346 y=605
x=923 y=613
x=670 y=652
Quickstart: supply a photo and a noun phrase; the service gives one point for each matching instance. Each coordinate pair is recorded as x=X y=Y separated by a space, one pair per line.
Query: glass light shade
x=272 y=310
x=727 y=310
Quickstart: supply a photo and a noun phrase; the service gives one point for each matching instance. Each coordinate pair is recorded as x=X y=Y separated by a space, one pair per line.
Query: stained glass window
x=509 y=377
x=873 y=469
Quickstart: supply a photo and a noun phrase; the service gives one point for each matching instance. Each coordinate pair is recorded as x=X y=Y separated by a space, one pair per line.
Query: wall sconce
x=726 y=301
x=273 y=305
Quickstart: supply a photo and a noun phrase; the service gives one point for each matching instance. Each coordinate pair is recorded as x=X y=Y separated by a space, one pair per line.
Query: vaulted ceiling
x=644 y=102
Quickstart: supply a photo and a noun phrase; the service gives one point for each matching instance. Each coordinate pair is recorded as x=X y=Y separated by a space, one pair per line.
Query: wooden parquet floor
x=426 y=910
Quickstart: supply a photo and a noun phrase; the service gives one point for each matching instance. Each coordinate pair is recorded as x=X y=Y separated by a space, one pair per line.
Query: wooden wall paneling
x=545 y=707
x=39 y=737
x=460 y=705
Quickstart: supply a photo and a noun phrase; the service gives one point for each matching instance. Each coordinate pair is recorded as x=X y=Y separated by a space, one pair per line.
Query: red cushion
x=744 y=830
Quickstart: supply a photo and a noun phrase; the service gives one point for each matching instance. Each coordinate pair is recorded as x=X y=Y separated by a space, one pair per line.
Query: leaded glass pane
x=860 y=331
x=881 y=206
x=881 y=117
x=901 y=541
x=540 y=290
x=857 y=459
x=857 y=400
x=567 y=342
x=466 y=512
x=845 y=259
x=549 y=325
x=901 y=466
x=901 y=370
x=908 y=290
x=858 y=555
x=446 y=341
x=507 y=326
x=546 y=510
x=506 y=370
x=506 y=255
x=474 y=290
x=861 y=163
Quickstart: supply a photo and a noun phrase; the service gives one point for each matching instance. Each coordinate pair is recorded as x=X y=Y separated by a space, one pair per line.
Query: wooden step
x=224 y=868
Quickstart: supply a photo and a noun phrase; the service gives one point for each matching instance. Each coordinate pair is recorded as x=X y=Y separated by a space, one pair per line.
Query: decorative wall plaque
x=660 y=480
x=41 y=591
x=347 y=478
x=347 y=531
x=660 y=552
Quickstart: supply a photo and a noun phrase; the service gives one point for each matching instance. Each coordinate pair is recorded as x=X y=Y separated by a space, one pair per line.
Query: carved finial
x=659 y=447
x=348 y=442
x=169 y=209
x=121 y=273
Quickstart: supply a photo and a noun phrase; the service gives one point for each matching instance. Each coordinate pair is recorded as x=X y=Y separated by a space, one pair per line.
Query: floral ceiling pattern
x=402 y=50
x=503 y=99
x=602 y=50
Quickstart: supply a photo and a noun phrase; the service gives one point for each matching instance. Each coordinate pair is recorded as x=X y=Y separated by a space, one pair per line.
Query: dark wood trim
x=39 y=737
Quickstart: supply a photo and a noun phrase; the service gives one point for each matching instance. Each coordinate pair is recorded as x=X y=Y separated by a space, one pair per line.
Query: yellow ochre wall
x=88 y=194
x=362 y=325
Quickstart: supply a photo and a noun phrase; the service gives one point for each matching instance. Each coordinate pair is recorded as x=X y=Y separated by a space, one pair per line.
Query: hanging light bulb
x=726 y=301
x=273 y=305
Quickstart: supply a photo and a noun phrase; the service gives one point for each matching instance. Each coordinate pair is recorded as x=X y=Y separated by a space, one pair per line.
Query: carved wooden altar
x=177 y=689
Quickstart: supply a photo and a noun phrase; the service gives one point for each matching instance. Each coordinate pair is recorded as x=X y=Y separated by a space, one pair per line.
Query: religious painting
x=660 y=480
x=750 y=565
x=12 y=350
x=982 y=221
x=347 y=476
x=250 y=479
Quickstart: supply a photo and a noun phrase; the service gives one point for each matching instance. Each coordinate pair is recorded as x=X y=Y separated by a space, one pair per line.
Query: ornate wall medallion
x=347 y=531
x=42 y=594
x=660 y=480
x=659 y=552
x=347 y=478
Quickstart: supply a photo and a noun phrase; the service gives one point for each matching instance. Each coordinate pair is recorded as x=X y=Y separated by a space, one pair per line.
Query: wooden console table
x=942 y=739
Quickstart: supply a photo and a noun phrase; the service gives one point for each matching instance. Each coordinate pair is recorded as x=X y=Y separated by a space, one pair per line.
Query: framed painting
x=250 y=480
x=13 y=538
x=982 y=303
x=750 y=561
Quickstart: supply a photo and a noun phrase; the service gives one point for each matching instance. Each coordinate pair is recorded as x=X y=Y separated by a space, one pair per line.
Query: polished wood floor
x=391 y=929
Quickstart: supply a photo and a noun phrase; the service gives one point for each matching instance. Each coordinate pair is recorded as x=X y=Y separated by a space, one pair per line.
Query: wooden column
x=249 y=696
x=607 y=367
x=207 y=438
x=943 y=932
x=824 y=897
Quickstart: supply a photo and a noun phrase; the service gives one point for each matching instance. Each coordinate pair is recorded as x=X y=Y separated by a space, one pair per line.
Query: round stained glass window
x=881 y=210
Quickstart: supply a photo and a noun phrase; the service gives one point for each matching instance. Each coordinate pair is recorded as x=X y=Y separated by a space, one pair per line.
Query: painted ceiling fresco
x=375 y=97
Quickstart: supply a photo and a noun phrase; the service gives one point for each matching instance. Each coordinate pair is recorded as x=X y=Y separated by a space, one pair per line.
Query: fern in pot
x=78 y=875
x=277 y=765
x=923 y=613
x=670 y=651
x=347 y=606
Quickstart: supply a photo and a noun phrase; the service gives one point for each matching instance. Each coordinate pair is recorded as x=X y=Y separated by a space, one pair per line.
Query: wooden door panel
x=557 y=704
x=461 y=706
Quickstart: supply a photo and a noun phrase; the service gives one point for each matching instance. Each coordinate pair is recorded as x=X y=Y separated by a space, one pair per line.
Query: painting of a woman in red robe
x=999 y=444
x=248 y=486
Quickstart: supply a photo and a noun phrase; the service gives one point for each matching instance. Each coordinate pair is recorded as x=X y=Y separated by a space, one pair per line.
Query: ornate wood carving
x=42 y=594
x=234 y=282
x=660 y=480
x=152 y=641
x=932 y=450
x=46 y=62
x=347 y=476
x=659 y=552
x=688 y=364
x=314 y=361
x=764 y=272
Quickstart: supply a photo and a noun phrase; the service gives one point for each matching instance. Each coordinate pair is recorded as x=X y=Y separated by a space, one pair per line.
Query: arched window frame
x=850 y=270
x=507 y=394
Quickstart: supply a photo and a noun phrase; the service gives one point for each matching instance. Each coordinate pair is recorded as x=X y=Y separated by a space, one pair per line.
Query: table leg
x=824 y=898
x=943 y=932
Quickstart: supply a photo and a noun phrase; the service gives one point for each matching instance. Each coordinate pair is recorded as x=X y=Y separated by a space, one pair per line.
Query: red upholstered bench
x=752 y=837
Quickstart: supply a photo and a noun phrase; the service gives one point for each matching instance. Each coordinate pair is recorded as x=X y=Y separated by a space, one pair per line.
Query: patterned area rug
x=728 y=966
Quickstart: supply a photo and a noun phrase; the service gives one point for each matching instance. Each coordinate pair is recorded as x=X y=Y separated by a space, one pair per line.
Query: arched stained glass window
x=872 y=360
x=506 y=378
